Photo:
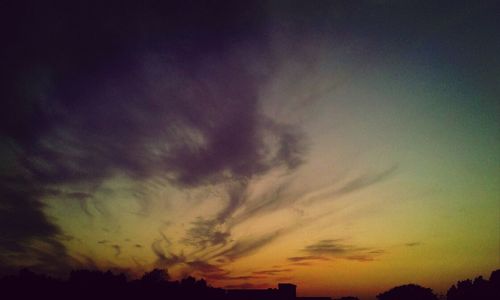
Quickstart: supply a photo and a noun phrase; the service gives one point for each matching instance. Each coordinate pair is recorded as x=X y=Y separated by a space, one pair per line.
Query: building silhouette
x=285 y=291
x=95 y=284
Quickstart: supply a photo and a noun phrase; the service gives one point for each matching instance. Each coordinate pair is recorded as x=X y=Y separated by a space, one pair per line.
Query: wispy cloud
x=338 y=188
x=118 y=249
x=247 y=286
x=216 y=272
x=307 y=258
x=165 y=259
x=204 y=233
x=271 y=272
x=337 y=248
x=365 y=181
x=245 y=247
x=159 y=112
x=330 y=247
x=204 y=267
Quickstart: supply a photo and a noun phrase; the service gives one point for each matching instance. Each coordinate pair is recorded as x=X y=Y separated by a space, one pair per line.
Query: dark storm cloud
x=150 y=90
x=156 y=88
x=21 y=221
x=47 y=256
x=21 y=217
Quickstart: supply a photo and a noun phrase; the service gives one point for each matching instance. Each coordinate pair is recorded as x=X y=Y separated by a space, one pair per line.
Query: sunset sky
x=344 y=146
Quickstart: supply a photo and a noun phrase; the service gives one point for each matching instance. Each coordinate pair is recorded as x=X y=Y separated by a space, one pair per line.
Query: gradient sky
x=345 y=146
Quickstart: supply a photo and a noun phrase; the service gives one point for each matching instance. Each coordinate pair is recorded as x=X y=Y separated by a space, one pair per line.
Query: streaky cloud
x=338 y=248
x=135 y=101
x=307 y=258
x=245 y=247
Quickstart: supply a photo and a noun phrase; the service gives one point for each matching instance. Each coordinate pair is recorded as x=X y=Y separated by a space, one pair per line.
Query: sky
x=344 y=146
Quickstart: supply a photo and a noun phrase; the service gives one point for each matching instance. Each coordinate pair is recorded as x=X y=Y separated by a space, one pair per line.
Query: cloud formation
x=307 y=258
x=272 y=272
x=130 y=96
x=337 y=248
x=244 y=247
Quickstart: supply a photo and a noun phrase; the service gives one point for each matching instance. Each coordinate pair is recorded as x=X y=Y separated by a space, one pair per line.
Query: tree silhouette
x=479 y=289
x=408 y=292
x=155 y=276
x=94 y=284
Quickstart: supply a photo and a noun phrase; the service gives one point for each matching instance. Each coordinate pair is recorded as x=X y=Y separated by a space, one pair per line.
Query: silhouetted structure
x=285 y=291
x=86 y=284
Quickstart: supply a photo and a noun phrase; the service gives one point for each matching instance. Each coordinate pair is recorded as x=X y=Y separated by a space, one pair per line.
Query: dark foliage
x=479 y=289
x=408 y=292
x=85 y=284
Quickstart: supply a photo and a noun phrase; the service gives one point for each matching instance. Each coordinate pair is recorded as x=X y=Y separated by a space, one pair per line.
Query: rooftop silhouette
x=91 y=284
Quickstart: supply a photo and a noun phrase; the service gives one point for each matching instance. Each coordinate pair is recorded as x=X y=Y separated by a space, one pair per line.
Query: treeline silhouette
x=91 y=284
x=86 y=284
x=479 y=289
